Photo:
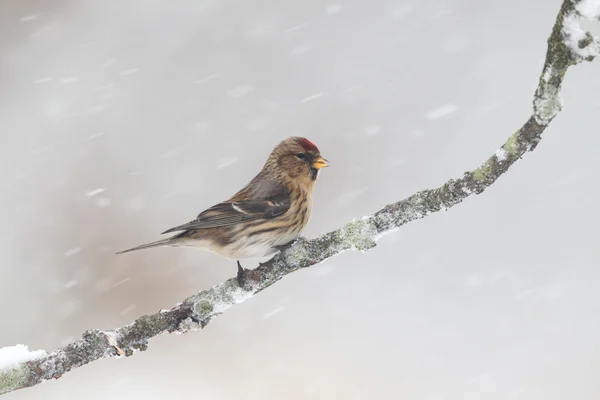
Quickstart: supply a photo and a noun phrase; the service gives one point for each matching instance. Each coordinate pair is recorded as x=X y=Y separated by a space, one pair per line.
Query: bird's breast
x=300 y=209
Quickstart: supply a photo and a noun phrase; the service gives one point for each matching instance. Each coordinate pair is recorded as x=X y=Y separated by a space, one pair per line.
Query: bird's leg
x=241 y=276
x=283 y=246
x=246 y=276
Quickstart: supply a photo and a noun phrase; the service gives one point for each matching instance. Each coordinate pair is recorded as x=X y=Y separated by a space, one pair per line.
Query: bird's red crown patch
x=308 y=145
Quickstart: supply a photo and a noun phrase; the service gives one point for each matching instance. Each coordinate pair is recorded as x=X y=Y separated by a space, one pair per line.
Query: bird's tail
x=158 y=243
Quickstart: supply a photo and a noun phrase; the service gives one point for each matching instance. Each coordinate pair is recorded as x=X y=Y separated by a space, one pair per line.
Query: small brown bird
x=264 y=215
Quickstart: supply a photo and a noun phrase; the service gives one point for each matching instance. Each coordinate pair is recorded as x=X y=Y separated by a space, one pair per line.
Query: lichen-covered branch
x=567 y=46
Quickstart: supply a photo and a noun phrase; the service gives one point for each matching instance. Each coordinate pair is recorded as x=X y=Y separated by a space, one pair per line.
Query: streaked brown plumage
x=270 y=211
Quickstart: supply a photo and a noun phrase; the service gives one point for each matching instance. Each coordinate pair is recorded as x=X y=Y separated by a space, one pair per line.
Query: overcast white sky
x=120 y=119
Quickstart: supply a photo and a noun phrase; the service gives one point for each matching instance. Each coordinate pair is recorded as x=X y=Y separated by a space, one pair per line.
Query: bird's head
x=297 y=158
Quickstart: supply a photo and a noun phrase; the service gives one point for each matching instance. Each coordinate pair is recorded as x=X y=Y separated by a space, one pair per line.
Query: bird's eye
x=301 y=156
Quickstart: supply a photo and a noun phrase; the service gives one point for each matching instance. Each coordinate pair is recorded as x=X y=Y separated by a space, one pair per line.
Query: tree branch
x=568 y=45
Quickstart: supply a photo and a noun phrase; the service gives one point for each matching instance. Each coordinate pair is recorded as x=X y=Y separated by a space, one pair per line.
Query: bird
x=268 y=213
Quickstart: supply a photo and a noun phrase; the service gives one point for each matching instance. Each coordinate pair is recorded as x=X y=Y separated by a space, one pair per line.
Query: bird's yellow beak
x=319 y=163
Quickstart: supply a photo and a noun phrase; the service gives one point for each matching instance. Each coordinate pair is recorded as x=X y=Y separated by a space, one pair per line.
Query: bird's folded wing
x=234 y=212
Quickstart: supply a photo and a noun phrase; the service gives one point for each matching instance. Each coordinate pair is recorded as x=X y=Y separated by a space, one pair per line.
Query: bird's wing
x=234 y=212
x=262 y=198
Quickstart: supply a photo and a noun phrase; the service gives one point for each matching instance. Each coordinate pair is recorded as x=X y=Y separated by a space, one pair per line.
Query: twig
x=568 y=45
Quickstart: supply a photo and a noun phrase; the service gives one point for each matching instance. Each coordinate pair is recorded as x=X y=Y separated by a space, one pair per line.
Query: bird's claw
x=282 y=247
x=245 y=277
x=241 y=276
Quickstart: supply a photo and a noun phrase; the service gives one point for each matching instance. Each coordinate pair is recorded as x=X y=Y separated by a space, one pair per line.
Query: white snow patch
x=416 y=133
x=69 y=79
x=129 y=71
x=102 y=285
x=525 y=293
x=11 y=356
x=273 y=312
x=484 y=383
x=257 y=125
x=68 y=309
x=201 y=126
x=303 y=48
x=128 y=309
x=104 y=87
x=240 y=91
x=41 y=150
x=296 y=27
x=402 y=11
x=98 y=108
x=555 y=291
x=455 y=43
x=226 y=162
x=71 y=284
x=333 y=9
x=567 y=180
x=395 y=162
x=574 y=33
x=23 y=175
x=501 y=154
x=104 y=202
x=372 y=130
x=95 y=136
x=346 y=198
x=121 y=282
x=29 y=18
x=238 y=296
x=439 y=9
x=377 y=237
x=43 y=80
x=109 y=62
x=54 y=109
x=86 y=43
x=352 y=89
x=208 y=78
x=441 y=111
x=589 y=9
x=112 y=340
x=134 y=205
x=122 y=381
x=486 y=108
x=312 y=97
x=95 y=192
x=171 y=153
x=547 y=105
x=473 y=281
x=547 y=74
x=72 y=252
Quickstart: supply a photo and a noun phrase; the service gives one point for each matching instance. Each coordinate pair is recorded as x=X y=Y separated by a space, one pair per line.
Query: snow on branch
x=14 y=355
x=568 y=45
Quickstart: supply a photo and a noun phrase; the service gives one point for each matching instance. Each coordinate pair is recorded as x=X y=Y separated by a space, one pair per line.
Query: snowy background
x=120 y=119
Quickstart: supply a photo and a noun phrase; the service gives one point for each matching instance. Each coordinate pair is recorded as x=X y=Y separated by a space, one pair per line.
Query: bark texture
x=568 y=45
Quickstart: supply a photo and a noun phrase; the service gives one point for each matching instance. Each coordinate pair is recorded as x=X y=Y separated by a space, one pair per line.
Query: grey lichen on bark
x=567 y=46
x=14 y=378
